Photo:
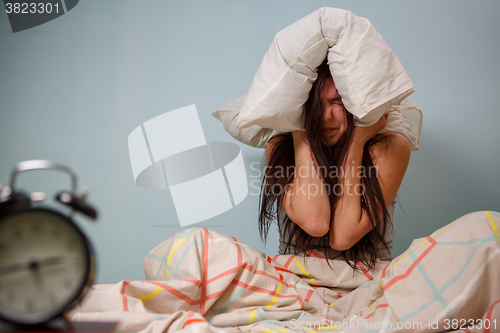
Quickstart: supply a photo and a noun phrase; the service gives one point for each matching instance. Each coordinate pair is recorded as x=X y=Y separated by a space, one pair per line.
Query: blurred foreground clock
x=46 y=262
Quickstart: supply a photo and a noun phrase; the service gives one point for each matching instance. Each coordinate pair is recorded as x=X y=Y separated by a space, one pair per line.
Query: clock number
x=17 y=232
x=53 y=300
x=29 y=306
x=71 y=245
x=36 y=227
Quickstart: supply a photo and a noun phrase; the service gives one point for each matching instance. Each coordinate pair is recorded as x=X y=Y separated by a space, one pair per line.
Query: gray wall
x=73 y=89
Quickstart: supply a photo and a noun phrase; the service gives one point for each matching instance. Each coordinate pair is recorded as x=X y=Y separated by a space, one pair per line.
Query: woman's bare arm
x=308 y=206
x=306 y=201
x=391 y=157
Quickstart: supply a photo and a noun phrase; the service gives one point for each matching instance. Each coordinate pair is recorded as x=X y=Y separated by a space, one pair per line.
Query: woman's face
x=334 y=114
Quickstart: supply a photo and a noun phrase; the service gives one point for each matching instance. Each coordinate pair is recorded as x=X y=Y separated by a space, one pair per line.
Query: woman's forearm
x=350 y=222
x=306 y=201
x=348 y=212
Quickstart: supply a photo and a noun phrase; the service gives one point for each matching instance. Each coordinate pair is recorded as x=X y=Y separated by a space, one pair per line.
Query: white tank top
x=331 y=253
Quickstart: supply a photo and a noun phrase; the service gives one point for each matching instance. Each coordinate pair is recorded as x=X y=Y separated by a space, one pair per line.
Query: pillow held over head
x=405 y=119
x=367 y=74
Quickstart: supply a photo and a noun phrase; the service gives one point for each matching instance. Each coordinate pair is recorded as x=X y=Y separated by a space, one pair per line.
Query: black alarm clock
x=46 y=262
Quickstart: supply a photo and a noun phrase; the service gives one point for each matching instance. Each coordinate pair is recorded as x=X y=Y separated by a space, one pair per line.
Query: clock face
x=44 y=265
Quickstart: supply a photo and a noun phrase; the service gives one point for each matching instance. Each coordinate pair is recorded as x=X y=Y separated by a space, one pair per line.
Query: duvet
x=206 y=281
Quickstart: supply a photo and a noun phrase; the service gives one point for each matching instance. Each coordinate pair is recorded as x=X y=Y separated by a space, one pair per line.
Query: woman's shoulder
x=391 y=156
x=273 y=141
x=271 y=144
x=391 y=145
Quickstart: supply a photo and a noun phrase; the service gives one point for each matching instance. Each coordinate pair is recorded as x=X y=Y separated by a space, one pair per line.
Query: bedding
x=206 y=281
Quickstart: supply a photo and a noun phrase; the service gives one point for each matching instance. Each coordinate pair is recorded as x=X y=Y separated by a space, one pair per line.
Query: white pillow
x=254 y=136
x=367 y=74
x=405 y=119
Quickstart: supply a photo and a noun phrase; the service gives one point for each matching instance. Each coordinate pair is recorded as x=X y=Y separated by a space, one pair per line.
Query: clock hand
x=36 y=274
x=51 y=261
x=33 y=265
x=13 y=268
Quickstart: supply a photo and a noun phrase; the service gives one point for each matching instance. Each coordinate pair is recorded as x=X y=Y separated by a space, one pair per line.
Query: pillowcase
x=405 y=119
x=367 y=74
x=254 y=135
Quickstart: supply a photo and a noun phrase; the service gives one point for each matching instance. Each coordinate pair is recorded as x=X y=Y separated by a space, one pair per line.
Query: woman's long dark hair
x=279 y=173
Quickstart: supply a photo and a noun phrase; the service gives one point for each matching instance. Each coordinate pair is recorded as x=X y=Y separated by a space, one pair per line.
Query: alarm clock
x=46 y=262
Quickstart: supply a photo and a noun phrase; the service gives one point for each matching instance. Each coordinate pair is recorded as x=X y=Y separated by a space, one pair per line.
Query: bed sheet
x=206 y=281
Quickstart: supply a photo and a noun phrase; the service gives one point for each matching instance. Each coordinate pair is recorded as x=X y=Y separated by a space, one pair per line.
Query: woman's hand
x=361 y=135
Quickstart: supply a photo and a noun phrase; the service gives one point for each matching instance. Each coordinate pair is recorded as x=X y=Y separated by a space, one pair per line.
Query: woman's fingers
x=365 y=133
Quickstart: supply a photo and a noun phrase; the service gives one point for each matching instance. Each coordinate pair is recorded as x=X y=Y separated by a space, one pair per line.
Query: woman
x=336 y=181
